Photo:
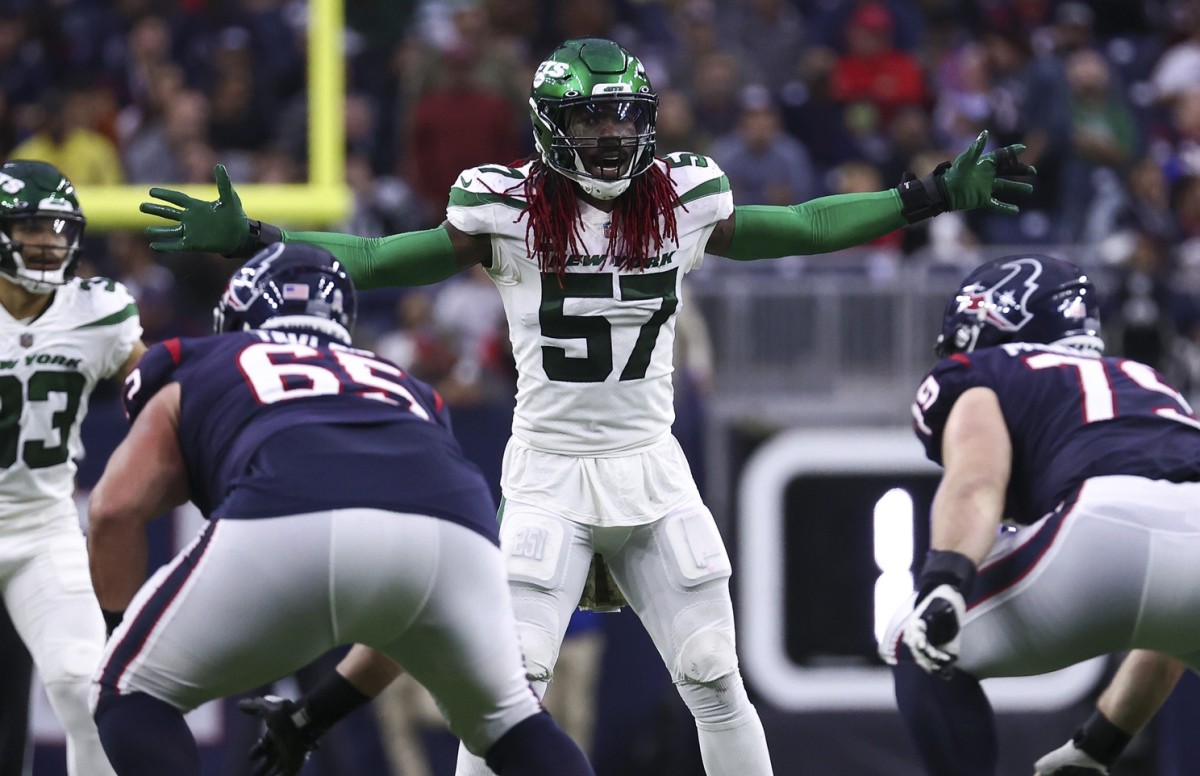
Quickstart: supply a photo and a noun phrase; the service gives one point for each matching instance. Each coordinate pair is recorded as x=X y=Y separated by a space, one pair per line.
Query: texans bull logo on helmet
x=1023 y=298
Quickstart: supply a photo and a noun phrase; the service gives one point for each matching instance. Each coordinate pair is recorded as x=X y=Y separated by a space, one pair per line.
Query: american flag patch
x=295 y=291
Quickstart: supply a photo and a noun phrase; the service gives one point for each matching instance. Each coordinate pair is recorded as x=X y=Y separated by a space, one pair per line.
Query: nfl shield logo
x=26 y=340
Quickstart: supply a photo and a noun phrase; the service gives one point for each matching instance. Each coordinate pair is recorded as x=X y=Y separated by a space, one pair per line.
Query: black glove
x=289 y=738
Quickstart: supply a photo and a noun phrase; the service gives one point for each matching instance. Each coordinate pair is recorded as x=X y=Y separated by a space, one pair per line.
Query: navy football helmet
x=1022 y=298
x=289 y=286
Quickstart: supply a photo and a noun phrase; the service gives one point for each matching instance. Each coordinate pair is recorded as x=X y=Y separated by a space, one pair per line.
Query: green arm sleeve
x=408 y=259
x=817 y=226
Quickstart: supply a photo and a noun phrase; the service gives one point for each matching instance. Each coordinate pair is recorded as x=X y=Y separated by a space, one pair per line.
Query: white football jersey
x=48 y=369
x=593 y=353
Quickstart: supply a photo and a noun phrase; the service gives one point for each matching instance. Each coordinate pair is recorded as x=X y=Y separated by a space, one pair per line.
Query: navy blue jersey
x=1070 y=417
x=277 y=423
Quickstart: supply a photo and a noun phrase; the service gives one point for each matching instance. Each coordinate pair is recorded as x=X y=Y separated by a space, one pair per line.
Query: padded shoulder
x=155 y=370
x=704 y=194
x=489 y=200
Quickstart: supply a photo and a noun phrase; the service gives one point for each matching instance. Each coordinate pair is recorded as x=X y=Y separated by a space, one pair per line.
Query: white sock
x=736 y=748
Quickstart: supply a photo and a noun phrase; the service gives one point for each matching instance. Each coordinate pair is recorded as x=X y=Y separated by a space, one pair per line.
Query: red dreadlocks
x=642 y=221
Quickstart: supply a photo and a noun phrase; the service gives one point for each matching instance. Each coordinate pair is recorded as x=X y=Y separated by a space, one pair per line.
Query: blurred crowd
x=793 y=98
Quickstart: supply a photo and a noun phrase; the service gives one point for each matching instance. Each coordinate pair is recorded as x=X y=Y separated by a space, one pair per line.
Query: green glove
x=971 y=181
x=209 y=227
x=974 y=179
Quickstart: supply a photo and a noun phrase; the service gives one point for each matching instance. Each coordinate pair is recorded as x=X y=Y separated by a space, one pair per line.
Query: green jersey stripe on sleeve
x=462 y=198
x=124 y=314
x=706 y=189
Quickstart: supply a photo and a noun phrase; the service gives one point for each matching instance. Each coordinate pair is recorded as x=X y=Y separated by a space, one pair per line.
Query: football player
x=588 y=242
x=341 y=510
x=1096 y=463
x=59 y=336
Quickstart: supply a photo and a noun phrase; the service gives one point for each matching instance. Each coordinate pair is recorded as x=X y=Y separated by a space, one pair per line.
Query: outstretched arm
x=973 y=180
x=221 y=226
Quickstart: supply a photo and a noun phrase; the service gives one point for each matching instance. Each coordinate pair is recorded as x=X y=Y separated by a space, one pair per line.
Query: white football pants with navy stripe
x=1118 y=569
x=252 y=600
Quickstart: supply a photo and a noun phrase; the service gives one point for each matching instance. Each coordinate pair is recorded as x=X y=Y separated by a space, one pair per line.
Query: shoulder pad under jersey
x=155 y=370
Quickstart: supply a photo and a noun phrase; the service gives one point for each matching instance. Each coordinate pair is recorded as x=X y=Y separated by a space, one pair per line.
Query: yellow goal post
x=324 y=200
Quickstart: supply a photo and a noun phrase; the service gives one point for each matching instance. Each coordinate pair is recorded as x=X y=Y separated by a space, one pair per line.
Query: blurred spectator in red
x=873 y=70
x=764 y=164
x=67 y=139
x=456 y=126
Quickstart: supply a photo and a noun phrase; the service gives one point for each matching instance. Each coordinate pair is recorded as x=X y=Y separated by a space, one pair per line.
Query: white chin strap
x=311 y=322
x=1086 y=344
x=597 y=187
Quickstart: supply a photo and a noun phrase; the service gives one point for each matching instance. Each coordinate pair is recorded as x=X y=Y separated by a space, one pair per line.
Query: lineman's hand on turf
x=1069 y=760
x=932 y=631
x=288 y=739
x=974 y=179
x=220 y=226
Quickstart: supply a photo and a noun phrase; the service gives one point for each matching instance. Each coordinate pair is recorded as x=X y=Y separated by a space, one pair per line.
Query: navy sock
x=949 y=720
x=144 y=736
x=537 y=746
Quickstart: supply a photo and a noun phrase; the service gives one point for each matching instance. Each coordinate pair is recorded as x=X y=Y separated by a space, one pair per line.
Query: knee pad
x=706 y=656
x=71 y=662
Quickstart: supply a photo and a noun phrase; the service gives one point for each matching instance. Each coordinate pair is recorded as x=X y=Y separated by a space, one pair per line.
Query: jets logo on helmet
x=1030 y=298
x=41 y=225
x=289 y=286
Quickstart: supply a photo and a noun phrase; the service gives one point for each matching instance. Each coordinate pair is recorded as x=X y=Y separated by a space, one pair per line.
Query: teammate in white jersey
x=588 y=242
x=59 y=335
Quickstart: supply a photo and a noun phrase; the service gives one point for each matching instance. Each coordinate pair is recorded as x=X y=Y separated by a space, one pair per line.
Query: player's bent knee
x=706 y=657
x=70 y=663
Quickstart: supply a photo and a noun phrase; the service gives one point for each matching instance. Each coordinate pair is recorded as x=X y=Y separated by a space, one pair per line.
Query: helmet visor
x=586 y=123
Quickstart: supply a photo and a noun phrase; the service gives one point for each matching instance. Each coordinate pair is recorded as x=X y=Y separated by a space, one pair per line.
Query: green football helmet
x=594 y=112
x=39 y=199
